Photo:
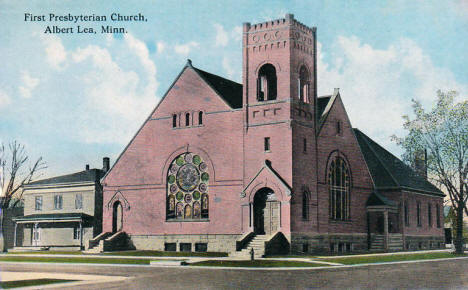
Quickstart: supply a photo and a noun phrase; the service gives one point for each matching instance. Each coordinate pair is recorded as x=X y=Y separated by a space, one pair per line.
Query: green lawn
x=91 y=260
x=167 y=254
x=29 y=283
x=255 y=263
x=47 y=253
x=389 y=258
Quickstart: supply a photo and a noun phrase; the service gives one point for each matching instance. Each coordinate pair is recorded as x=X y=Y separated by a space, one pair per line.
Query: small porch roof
x=51 y=218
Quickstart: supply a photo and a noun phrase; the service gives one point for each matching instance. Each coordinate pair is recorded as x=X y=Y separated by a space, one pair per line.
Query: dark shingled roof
x=377 y=199
x=230 y=91
x=82 y=176
x=390 y=172
x=322 y=103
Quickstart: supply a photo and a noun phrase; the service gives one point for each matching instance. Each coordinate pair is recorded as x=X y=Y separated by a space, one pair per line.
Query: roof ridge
x=204 y=71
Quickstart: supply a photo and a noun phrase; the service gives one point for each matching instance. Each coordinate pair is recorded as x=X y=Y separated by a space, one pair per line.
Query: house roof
x=322 y=102
x=82 y=176
x=390 y=172
x=54 y=216
x=230 y=91
x=376 y=199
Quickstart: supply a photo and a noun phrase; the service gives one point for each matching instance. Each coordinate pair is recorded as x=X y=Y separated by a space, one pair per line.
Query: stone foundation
x=193 y=243
x=424 y=243
x=304 y=243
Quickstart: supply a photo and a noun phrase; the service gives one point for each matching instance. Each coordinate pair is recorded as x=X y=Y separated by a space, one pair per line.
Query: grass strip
x=89 y=260
x=167 y=254
x=390 y=258
x=29 y=283
x=255 y=263
x=47 y=253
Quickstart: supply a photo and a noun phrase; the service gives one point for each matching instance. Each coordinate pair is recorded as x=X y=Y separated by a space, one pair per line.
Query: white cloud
x=184 y=49
x=4 y=99
x=29 y=83
x=222 y=37
x=160 y=46
x=377 y=85
x=228 y=67
x=237 y=33
x=56 y=54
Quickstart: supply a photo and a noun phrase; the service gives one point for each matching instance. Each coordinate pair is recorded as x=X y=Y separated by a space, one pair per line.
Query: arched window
x=200 y=118
x=174 y=121
x=303 y=84
x=266 y=83
x=305 y=203
x=339 y=188
x=187 y=188
x=187 y=119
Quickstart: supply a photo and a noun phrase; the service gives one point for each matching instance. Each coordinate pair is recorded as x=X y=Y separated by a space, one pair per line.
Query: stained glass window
x=339 y=187
x=187 y=188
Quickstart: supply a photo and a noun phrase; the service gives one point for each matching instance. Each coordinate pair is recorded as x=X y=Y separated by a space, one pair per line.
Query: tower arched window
x=303 y=84
x=305 y=203
x=266 y=83
x=200 y=118
x=339 y=189
x=187 y=188
x=187 y=119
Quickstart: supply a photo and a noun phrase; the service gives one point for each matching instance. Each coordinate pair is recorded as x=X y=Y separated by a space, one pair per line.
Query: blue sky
x=75 y=98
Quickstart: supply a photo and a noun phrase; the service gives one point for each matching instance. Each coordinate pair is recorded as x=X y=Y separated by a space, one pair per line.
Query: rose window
x=187 y=188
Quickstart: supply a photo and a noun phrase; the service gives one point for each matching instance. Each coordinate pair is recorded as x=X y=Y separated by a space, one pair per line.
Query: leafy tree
x=14 y=174
x=443 y=132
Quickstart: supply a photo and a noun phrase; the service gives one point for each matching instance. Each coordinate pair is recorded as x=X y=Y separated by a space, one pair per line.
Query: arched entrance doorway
x=117 y=217
x=266 y=215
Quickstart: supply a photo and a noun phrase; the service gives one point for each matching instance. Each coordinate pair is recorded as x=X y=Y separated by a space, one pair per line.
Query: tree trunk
x=459 y=229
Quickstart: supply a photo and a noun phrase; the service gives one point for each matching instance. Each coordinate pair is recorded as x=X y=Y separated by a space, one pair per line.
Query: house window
x=266 y=144
x=187 y=119
x=339 y=188
x=79 y=201
x=185 y=247
x=174 y=121
x=418 y=213
x=303 y=83
x=406 y=214
x=200 y=118
x=305 y=145
x=170 y=247
x=38 y=203
x=266 y=83
x=187 y=188
x=438 y=215
x=305 y=204
x=58 y=202
x=201 y=247
x=76 y=233
x=36 y=234
x=429 y=214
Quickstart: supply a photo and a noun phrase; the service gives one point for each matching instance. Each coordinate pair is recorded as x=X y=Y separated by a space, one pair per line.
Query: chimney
x=105 y=164
x=87 y=167
x=420 y=163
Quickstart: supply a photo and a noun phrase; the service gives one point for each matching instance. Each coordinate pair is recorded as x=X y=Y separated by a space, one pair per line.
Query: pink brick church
x=267 y=164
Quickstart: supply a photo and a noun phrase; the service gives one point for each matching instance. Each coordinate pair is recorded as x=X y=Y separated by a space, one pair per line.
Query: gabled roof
x=388 y=171
x=82 y=176
x=376 y=199
x=230 y=91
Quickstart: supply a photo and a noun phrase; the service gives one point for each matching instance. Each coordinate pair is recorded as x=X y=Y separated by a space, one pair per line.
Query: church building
x=220 y=166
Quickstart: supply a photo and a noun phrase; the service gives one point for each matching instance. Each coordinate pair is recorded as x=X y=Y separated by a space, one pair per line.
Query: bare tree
x=14 y=173
x=443 y=132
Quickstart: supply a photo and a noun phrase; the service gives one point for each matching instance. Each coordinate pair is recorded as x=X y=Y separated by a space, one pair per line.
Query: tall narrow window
x=303 y=89
x=187 y=119
x=339 y=188
x=438 y=215
x=305 y=145
x=305 y=204
x=418 y=213
x=266 y=83
x=38 y=203
x=429 y=214
x=58 y=202
x=266 y=144
x=200 y=118
x=78 y=201
x=338 y=128
x=76 y=233
x=406 y=214
x=174 y=121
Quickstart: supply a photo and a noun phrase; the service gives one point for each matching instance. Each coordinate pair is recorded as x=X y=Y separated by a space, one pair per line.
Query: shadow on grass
x=29 y=283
